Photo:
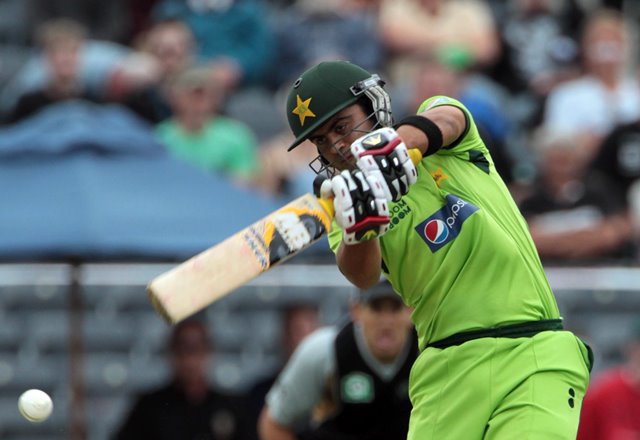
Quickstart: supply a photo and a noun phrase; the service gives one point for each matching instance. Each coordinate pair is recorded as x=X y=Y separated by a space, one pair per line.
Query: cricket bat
x=212 y=274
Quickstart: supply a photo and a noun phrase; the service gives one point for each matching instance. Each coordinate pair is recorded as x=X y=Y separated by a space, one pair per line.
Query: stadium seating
x=123 y=340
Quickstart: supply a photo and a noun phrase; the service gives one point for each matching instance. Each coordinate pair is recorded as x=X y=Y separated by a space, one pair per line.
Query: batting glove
x=361 y=208
x=383 y=154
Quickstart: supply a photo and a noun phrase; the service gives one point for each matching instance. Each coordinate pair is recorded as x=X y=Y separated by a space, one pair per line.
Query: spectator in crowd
x=198 y=134
x=281 y=173
x=612 y=404
x=108 y=21
x=61 y=41
x=465 y=29
x=432 y=75
x=572 y=215
x=311 y=31
x=171 y=43
x=605 y=95
x=161 y=52
x=187 y=407
x=351 y=382
x=233 y=37
x=618 y=157
x=97 y=61
x=539 y=50
x=298 y=321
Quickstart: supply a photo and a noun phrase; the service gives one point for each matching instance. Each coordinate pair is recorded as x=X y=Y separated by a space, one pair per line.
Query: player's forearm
x=595 y=241
x=269 y=429
x=360 y=263
x=450 y=120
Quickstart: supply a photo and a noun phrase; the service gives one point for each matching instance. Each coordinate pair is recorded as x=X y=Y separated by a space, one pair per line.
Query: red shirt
x=611 y=409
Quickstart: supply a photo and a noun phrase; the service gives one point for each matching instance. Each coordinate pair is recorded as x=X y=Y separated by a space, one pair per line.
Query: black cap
x=381 y=290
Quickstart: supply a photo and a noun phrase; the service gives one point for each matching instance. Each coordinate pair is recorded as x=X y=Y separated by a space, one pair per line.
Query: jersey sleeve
x=469 y=139
x=335 y=236
x=299 y=386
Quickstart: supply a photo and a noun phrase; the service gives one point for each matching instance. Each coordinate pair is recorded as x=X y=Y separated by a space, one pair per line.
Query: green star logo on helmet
x=303 y=110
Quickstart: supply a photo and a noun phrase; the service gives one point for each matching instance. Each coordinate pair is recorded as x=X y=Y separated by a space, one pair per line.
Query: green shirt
x=458 y=249
x=223 y=145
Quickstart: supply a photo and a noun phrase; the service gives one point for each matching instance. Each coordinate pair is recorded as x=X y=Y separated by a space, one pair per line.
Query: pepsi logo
x=444 y=225
x=436 y=231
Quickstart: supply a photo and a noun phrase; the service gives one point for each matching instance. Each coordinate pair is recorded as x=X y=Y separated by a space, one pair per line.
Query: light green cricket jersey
x=458 y=250
x=224 y=145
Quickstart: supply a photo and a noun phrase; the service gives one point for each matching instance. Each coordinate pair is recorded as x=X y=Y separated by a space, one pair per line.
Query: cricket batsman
x=495 y=361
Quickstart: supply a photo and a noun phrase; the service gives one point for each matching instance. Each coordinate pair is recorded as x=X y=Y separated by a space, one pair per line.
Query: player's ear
x=355 y=310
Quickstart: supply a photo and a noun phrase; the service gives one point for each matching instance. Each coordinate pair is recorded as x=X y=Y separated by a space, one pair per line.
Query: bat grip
x=327 y=204
x=415 y=155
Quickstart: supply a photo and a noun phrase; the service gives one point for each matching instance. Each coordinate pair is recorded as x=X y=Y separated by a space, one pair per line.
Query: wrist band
x=428 y=127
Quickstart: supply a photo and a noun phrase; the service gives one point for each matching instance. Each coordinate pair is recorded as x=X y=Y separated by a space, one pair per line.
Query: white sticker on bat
x=292 y=230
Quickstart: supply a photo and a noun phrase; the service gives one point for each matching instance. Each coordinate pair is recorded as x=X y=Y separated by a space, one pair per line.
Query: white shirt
x=586 y=105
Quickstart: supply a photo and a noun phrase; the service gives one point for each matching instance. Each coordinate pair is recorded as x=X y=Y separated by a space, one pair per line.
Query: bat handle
x=415 y=155
x=327 y=204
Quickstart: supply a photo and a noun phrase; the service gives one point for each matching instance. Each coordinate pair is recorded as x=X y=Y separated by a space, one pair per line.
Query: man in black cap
x=349 y=382
x=188 y=407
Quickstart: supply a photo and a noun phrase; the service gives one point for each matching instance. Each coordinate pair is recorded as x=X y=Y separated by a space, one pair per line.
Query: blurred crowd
x=554 y=87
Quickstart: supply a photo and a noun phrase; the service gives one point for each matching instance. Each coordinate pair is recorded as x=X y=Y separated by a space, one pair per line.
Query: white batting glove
x=360 y=205
x=383 y=154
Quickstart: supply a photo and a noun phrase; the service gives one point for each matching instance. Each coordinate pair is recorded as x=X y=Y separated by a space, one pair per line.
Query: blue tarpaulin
x=89 y=182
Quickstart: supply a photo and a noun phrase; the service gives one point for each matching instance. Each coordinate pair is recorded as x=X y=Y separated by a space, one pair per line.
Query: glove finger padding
x=361 y=207
x=383 y=154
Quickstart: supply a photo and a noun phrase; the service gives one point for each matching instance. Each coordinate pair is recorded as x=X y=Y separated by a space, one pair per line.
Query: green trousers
x=500 y=389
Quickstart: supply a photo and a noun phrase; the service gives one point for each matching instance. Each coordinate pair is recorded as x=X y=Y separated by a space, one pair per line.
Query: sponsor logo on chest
x=399 y=211
x=445 y=224
x=357 y=387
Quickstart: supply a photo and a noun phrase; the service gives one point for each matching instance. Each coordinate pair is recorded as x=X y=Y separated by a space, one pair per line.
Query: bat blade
x=219 y=270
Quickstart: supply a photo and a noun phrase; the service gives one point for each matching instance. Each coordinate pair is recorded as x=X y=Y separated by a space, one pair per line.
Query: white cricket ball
x=35 y=405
